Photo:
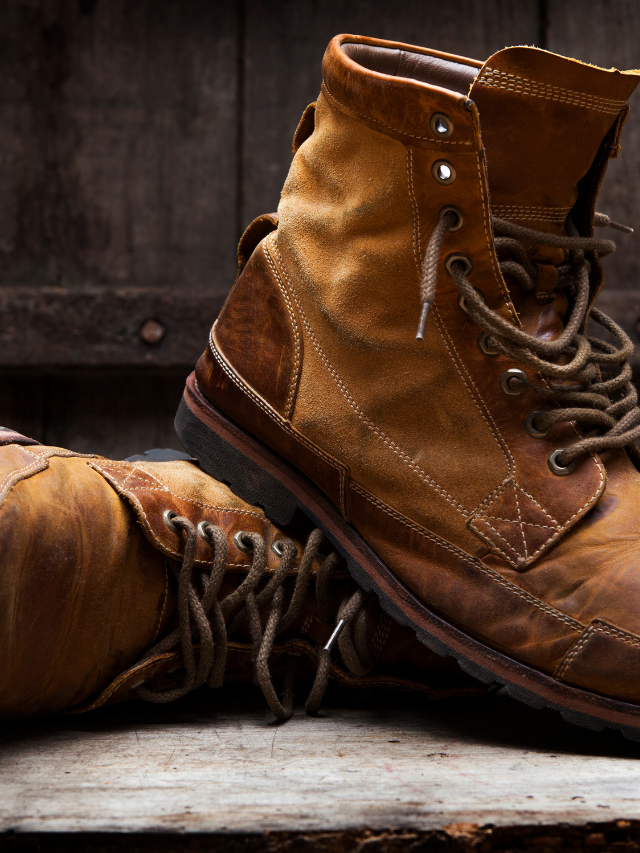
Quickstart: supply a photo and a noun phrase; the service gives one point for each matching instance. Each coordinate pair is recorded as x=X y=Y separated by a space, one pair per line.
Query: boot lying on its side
x=148 y=579
x=409 y=355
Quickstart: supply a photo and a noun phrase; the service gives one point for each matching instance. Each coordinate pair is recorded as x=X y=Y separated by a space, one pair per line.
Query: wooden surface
x=138 y=139
x=217 y=762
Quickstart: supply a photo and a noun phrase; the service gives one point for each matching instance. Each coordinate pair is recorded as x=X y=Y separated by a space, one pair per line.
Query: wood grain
x=219 y=764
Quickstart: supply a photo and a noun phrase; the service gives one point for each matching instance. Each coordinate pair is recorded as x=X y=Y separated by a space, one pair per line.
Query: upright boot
x=147 y=579
x=405 y=357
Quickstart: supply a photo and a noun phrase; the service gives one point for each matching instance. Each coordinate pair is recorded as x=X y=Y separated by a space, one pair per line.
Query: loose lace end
x=604 y=221
x=424 y=316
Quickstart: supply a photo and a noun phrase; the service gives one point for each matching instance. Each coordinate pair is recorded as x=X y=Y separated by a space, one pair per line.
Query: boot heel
x=229 y=465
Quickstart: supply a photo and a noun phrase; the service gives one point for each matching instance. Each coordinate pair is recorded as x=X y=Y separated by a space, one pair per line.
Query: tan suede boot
x=412 y=339
x=148 y=579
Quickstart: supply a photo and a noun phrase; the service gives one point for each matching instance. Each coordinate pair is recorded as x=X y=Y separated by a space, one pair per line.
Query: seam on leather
x=525 y=523
x=166 y=597
x=577 y=647
x=284 y=425
x=495 y=547
x=491 y=573
x=536 y=89
x=365 y=420
x=417 y=248
x=161 y=488
x=288 y=408
x=486 y=415
x=388 y=126
x=486 y=221
x=524 y=538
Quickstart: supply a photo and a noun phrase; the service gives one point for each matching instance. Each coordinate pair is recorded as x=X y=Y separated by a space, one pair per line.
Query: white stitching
x=511 y=521
x=491 y=573
x=394 y=129
x=534 y=88
x=524 y=540
x=417 y=248
x=281 y=422
x=375 y=429
x=494 y=545
x=294 y=323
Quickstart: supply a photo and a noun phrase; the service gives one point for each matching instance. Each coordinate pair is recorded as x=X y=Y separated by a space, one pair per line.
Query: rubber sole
x=260 y=477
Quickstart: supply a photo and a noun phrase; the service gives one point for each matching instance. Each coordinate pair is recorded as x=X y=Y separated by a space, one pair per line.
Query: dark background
x=137 y=140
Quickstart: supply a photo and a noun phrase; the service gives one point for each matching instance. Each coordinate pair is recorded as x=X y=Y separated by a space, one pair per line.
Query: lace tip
x=626 y=229
x=424 y=316
x=336 y=633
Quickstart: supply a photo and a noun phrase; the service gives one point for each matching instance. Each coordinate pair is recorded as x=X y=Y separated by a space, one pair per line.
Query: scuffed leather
x=262 y=336
x=443 y=480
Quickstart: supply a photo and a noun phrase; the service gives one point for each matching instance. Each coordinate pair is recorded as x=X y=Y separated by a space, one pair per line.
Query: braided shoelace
x=605 y=408
x=206 y=623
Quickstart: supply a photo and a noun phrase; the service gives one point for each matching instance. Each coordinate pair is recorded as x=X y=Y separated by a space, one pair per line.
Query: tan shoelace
x=202 y=617
x=607 y=407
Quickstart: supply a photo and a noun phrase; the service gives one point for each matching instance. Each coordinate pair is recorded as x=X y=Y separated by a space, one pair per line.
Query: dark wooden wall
x=139 y=137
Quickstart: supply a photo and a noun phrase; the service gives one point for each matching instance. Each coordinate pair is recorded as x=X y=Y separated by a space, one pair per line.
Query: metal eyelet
x=556 y=468
x=278 y=548
x=451 y=209
x=483 y=346
x=462 y=302
x=443 y=172
x=242 y=542
x=507 y=381
x=202 y=532
x=441 y=125
x=530 y=426
x=458 y=257
x=167 y=516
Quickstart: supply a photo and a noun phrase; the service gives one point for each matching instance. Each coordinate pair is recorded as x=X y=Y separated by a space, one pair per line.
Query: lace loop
x=569 y=366
x=203 y=617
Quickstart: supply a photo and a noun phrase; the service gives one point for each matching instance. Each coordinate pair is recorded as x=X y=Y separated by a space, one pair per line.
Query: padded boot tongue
x=542 y=120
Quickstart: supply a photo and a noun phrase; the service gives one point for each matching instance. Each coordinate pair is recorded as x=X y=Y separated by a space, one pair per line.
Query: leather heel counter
x=257 y=332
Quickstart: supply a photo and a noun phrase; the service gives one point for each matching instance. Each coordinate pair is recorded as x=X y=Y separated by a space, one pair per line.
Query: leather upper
x=415 y=442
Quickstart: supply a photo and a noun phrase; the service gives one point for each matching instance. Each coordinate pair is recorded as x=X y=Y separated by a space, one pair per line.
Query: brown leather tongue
x=542 y=120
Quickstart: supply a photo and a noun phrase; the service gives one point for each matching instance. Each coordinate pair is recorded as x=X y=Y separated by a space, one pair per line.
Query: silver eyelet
x=530 y=426
x=202 y=532
x=278 y=548
x=441 y=125
x=443 y=172
x=556 y=468
x=242 y=542
x=458 y=257
x=462 y=302
x=167 y=516
x=483 y=346
x=507 y=381
x=451 y=209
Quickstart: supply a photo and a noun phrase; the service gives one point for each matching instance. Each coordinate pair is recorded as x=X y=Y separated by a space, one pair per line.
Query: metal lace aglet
x=336 y=633
x=424 y=316
x=617 y=226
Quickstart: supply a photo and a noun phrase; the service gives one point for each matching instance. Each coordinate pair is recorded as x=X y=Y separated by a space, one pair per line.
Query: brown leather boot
x=148 y=579
x=469 y=460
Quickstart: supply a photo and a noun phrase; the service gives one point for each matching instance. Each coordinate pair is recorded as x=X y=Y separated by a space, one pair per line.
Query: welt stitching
x=280 y=422
x=376 y=430
x=296 y=334
x=548 y=92
x=394 y=129
x=497 y=273
x=495 y=576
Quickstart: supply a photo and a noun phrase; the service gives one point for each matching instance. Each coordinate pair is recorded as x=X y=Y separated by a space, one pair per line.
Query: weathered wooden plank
x=118 y=143
x=219 y=764
x=112 y=413
x=105 y=326
x=607 y=33
x=285 y=43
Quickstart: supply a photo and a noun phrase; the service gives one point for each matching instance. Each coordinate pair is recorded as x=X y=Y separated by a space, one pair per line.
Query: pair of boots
x=406 y=358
